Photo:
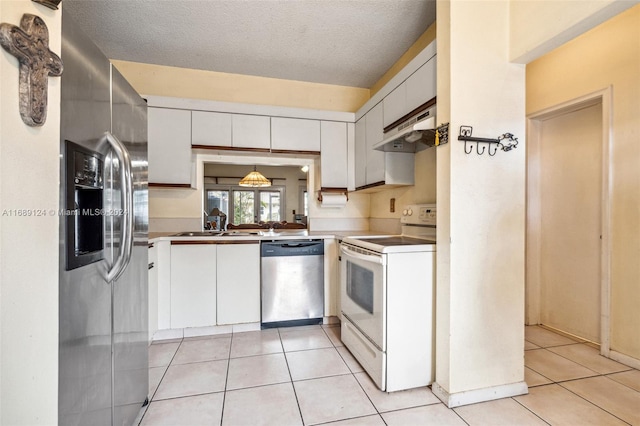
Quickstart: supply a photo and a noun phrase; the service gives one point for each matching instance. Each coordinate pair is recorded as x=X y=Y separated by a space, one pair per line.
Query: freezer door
x=130 y=290
x=97 y=318
x=85 y=298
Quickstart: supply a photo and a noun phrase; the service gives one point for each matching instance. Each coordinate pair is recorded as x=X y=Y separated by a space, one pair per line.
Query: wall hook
x=506 y=142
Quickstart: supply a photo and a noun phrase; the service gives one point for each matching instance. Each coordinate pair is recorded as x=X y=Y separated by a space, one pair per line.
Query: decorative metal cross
x=29 y=43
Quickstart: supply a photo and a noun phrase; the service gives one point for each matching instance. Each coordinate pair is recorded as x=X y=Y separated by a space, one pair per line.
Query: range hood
x=412 y=135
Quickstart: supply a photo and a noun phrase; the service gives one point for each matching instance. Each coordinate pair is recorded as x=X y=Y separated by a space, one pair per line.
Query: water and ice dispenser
x=84 y=205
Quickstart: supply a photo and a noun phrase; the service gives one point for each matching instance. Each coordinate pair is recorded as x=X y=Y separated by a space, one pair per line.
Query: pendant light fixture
x=254 y=180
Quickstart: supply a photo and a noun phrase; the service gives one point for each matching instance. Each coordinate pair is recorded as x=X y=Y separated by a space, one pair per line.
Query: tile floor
x=304 y=375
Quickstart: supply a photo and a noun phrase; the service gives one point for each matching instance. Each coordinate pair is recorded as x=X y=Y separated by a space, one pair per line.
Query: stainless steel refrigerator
x=103 y=351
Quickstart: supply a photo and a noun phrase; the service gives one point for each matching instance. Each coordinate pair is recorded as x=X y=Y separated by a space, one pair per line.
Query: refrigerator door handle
x=126 y=227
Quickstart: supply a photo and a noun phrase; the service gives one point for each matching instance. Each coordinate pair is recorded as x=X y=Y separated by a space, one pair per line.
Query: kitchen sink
x=198 y=234
x=247 y=233
x=240 y=233
x=284 y=233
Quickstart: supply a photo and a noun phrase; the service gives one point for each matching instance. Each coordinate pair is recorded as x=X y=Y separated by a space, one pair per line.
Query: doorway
x=567 y=218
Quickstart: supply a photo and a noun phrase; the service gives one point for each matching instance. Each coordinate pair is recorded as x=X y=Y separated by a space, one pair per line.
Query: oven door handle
x=366 y=258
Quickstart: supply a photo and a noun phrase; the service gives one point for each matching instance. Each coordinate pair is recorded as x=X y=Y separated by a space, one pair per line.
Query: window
x=244 y=205
x=216 y=198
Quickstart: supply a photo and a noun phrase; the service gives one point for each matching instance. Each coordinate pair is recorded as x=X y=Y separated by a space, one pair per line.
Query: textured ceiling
x=343 y=42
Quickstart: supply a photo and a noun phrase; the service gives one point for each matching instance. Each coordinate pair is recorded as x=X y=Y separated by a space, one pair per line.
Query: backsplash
x=385 y=225
x=174 y=224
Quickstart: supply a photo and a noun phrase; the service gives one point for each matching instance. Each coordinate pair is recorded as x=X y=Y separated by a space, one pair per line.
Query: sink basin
x=239 y=233
x=198 y=234
x=284 y=233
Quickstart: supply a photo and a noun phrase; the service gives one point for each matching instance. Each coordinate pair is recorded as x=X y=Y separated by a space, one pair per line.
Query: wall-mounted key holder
x=505 y=142
x=442 y=134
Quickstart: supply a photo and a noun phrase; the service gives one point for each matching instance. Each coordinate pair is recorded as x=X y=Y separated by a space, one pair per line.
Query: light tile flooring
x=304 y=375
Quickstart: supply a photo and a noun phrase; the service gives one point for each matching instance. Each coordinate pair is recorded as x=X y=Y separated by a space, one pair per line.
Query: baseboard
x=458 y=399
x=625 y=359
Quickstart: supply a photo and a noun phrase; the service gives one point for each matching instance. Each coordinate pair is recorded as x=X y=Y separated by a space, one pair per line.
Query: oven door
x=363 y=288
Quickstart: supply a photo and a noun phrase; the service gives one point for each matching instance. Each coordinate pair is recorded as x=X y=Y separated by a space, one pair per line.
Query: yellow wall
x=608 y=55
x=424 y=190
x=159 y=80
x=423 y=41
x=537 y=27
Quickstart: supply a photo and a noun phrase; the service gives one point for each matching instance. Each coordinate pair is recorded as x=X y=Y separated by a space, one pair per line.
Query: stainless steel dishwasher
x=292 y=283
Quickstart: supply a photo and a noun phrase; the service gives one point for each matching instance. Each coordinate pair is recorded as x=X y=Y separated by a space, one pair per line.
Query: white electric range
x=387 y=293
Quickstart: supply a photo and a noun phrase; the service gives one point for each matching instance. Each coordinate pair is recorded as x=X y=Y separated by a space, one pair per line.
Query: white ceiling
x=343 y=42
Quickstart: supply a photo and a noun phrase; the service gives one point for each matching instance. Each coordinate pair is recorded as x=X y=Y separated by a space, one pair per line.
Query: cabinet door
x=251 y=131
x=193 y=285
x=163 y=276
x=210 y=128
x=238 y=283
x=360 y=160
x=351 y=151
x=395 y=104
x=153 y=290
x=169 y=132
x=375 y=159
x=421 y=85
x=333 y=154
x=295 y=134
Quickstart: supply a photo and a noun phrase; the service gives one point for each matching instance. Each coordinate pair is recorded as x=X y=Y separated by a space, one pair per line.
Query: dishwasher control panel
x=292 y=248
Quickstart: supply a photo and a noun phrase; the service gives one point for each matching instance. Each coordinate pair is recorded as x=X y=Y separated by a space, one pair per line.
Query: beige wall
x=480 y=270
x=608 y=55
x=536 y=27
x=423 y=41
x=29 y=170
x=424 y=190
x=158 y=80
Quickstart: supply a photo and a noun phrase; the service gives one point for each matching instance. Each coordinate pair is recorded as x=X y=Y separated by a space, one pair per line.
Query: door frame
x=533 y=219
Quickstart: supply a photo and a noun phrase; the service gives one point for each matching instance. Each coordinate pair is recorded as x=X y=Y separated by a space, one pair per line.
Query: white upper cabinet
x=360 y=160
x=374 y=134
x=295 y=134
x=333 y=154
x=251 y=131
x=210 y=128
x=395 y=104
x=421 y=86
x=169 y=132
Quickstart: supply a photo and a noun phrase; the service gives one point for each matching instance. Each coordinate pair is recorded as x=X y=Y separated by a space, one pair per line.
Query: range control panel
x=419 y=214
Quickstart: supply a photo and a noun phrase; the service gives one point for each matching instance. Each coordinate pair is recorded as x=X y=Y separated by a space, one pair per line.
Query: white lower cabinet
x=163 y=274
x=153 y=290
x=238 y=283
x=193 y=284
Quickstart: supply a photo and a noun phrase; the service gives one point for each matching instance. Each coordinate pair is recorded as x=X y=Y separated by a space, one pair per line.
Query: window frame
x=256 y=208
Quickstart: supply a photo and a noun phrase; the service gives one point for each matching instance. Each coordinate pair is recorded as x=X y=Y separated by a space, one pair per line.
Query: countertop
x=268 y=236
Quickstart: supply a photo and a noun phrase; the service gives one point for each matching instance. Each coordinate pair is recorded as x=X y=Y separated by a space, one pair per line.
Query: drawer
x=373 y=360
